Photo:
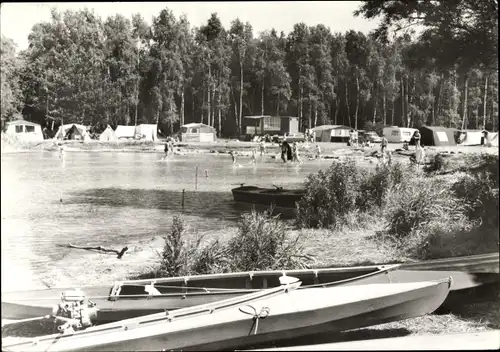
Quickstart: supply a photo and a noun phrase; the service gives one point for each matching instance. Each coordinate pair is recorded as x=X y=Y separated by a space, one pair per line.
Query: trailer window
x=29 y=128
x=395 y=133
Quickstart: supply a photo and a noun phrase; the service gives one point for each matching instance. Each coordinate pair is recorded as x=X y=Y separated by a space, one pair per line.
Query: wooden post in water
x=196 y=179
x=183 y=191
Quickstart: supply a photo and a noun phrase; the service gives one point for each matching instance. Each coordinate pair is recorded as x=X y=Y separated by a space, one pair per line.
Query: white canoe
x=485 y=340
x=242 y=322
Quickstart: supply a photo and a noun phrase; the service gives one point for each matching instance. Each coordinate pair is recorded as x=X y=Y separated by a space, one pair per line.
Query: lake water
x=114 y=198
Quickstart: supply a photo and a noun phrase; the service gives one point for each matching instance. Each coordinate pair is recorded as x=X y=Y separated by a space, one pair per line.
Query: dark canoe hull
x=202 y=289
x=482 y=263
x=293 y=314
x=484 y=340
x=267 y=196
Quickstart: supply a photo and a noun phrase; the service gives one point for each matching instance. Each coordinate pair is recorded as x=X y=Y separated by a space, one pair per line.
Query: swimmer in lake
x=233 y=156
x=254 y=160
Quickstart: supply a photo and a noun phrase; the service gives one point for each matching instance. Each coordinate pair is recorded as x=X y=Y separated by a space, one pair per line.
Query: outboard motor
x=75 y=310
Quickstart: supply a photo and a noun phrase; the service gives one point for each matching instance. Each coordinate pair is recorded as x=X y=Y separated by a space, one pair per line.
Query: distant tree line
x=82 y=69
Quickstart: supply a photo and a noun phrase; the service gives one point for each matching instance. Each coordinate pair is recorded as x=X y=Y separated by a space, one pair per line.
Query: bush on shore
x=422 y=214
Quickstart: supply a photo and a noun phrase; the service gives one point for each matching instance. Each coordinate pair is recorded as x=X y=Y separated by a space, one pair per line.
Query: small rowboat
x=133 y=298
x=269 y=315
x=277 y=196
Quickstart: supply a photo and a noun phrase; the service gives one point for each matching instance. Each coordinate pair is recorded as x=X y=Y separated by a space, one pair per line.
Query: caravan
x=397 y=134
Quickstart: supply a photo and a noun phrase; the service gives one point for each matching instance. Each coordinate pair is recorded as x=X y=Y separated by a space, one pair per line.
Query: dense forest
x=83 y=69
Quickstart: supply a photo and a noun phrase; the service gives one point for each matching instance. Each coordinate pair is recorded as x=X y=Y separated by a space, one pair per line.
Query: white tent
x=395 y=134
x=72 y=131
x=108 y=135
x=147 y=132
x=470 y=137
x=492 y=139
x=125 y=131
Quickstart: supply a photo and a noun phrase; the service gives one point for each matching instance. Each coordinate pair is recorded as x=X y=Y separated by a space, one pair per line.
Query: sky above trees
x=263 y=15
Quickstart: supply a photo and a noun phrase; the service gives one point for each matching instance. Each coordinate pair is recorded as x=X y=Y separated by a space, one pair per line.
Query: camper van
x=397 y=134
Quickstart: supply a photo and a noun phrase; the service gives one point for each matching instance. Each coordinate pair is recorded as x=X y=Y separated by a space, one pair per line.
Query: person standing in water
x=318 y=152
x=284 y=151
x=166 y=149
x=262 y=148
x=233 y=156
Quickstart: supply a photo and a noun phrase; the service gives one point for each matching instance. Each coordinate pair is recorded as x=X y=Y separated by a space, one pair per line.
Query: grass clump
x=261 y=243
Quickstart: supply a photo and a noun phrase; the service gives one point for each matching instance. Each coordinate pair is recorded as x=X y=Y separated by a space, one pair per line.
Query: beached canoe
x=278 y=196
x=476 y=264
x=242 y=322
x=133 y=298
x=484 y=340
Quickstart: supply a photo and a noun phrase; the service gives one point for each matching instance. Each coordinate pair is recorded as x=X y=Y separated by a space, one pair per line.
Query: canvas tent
x=395 y=134
x=146 y=132
x=492 y=139
x=125 y=131
x=470 y=137
x=108 y=135
x=437 y=136
x=24 y=130
x=72 y=131
x=197 y=132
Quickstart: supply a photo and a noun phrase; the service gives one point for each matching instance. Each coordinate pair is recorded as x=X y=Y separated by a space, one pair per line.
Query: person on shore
x=416 y=136
x=318 y=152
x=262 y=148
x=313 y=136
x=295 y=153
x=383 y=144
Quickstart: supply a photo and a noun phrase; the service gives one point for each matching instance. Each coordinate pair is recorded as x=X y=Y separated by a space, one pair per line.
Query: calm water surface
x=117 y=198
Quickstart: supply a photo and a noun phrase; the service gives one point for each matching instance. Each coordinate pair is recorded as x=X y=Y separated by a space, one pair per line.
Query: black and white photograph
x=249 y=175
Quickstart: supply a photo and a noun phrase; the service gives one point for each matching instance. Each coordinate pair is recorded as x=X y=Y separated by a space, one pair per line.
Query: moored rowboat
x=278 y=196
x=243 y=322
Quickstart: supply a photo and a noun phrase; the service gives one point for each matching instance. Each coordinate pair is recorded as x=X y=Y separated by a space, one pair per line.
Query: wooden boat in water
x=278 y=196
x=253 y=319
x=133 y=298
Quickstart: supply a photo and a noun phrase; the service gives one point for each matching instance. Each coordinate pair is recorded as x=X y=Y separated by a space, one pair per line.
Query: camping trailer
x=332 y=133
x=395 y=134
x=197 y=132
x=24 y=130
x=265 y=124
